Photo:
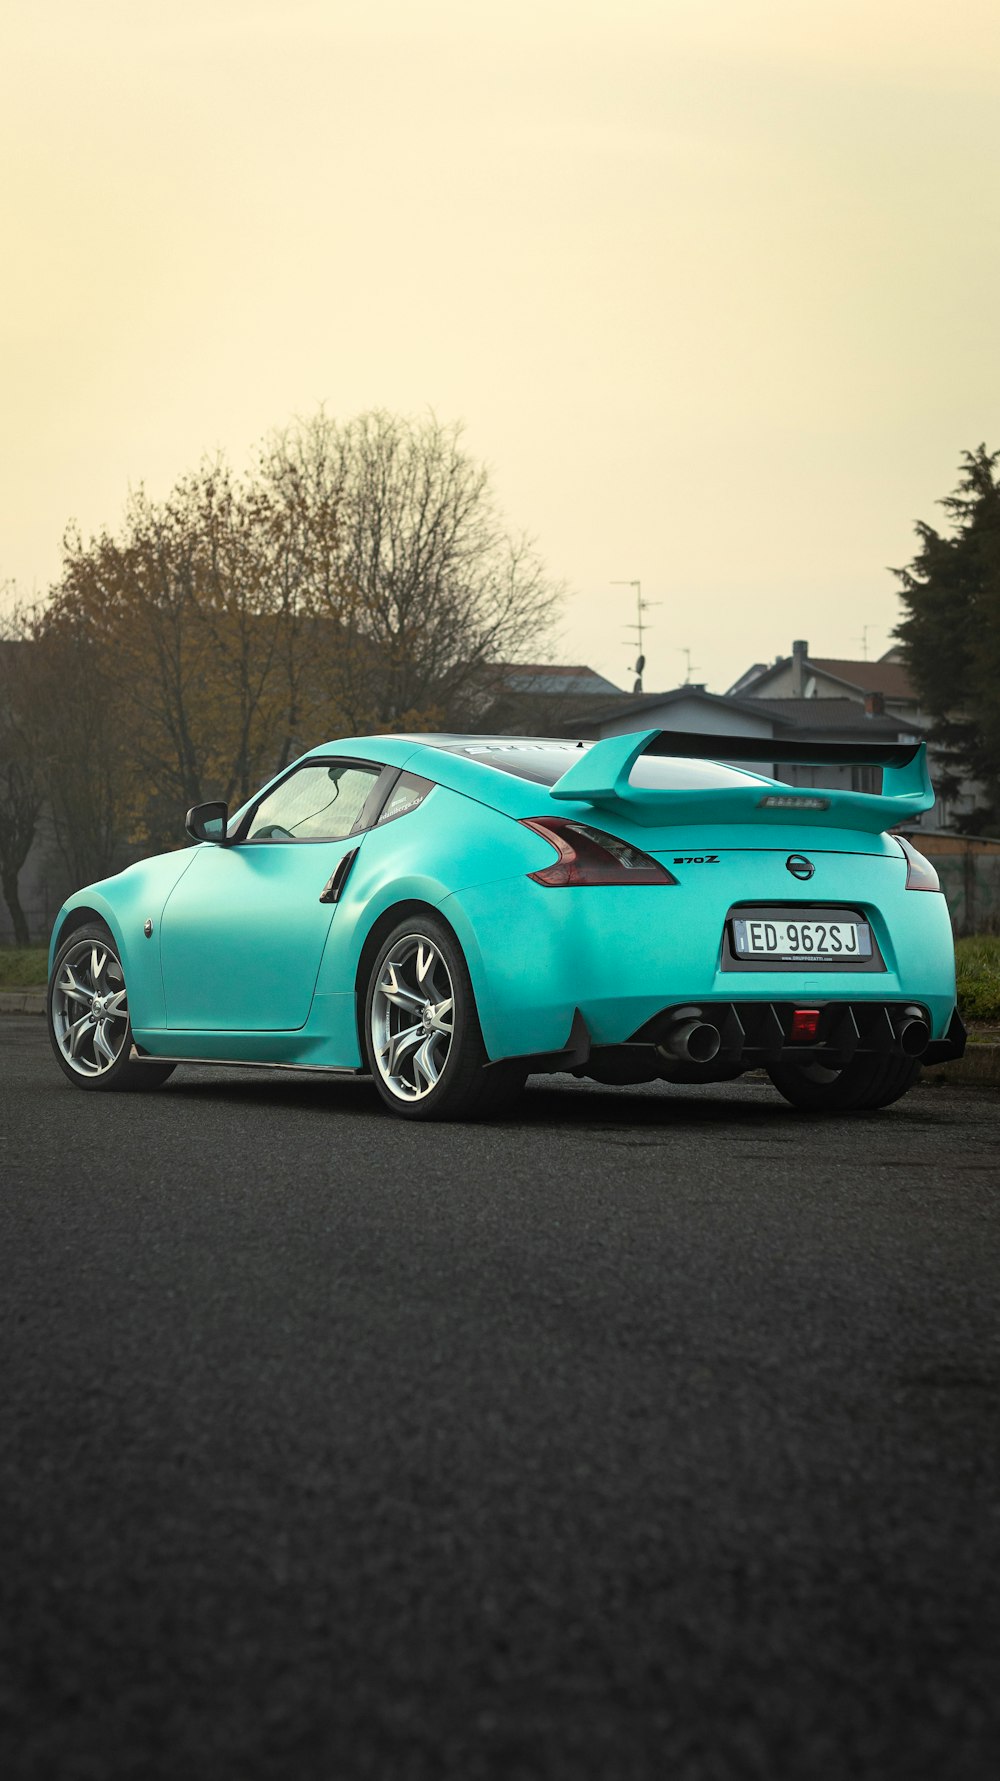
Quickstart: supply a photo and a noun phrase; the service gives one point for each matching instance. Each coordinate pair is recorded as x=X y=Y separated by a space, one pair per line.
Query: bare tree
x=423 y=588
x=360 y=578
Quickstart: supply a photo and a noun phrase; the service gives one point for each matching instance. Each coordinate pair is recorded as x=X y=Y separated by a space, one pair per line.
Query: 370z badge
x=696 y=859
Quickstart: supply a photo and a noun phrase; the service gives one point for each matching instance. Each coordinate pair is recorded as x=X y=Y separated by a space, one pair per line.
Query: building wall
x=692 y=714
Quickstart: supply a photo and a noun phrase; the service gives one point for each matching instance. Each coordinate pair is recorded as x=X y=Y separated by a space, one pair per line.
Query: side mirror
x=207 y=822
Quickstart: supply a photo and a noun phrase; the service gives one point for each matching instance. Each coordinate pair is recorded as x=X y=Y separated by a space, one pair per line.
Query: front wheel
x=88 y=1016
x=864 y=1083
x=422 y=1035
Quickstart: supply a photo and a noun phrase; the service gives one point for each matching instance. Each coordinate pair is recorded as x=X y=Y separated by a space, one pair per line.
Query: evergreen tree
x=951 y=634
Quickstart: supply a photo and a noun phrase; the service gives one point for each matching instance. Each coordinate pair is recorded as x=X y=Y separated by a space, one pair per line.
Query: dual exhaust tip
x=691 y=1040
x=914 y=1036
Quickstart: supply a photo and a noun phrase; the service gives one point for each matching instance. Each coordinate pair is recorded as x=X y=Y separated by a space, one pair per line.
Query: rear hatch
x=789 y=875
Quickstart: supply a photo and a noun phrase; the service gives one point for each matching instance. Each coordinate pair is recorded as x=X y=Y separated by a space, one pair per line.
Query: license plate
x=818 y=942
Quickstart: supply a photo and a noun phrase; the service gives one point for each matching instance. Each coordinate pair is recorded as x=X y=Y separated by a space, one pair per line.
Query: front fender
x=125 y=903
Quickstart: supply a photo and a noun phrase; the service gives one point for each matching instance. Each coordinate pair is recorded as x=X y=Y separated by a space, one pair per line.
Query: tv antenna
x=686 y=653
x=640 y=627
x=863 y=639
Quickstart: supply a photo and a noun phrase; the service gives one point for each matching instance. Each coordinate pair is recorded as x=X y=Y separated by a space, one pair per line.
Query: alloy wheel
x=412 y=1017
x=90 y=1008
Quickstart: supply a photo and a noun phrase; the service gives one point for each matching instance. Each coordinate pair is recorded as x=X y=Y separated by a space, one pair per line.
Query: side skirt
x=241 y=1063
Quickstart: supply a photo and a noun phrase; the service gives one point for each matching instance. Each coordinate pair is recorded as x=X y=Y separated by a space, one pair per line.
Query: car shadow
x=549 y=1102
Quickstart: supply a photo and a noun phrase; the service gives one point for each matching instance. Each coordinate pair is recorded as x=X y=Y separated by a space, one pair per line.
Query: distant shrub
x=978 y=965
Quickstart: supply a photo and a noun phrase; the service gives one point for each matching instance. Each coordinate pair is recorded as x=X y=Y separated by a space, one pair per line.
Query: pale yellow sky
x=714 y=284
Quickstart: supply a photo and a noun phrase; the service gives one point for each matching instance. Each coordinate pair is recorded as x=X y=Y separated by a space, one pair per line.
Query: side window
x=408 y=791
x=321 y=802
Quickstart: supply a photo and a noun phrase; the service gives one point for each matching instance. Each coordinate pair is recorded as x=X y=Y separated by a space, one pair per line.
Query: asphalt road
x=653 y=1433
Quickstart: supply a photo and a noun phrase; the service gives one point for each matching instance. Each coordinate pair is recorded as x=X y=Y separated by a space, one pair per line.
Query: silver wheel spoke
x=116 y=1009
x=397 y=992
x=102 y=1045
x=98 y=960
x=426 y=960
x=424 y=1063
x=399 y=1047
x=75 y=1033
x=70 y=987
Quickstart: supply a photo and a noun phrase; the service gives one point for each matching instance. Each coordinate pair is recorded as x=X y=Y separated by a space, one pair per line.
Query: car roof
x=513 y=773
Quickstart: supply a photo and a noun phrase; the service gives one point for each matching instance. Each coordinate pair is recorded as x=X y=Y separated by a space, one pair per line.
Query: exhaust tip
x=914 y=1037
x=692 y=1042
x=703 y=1043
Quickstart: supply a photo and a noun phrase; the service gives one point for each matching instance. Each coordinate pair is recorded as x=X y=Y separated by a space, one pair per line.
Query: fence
x=969 y=869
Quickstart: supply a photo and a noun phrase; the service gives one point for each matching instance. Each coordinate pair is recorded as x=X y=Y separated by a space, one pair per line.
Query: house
x=880 y=688
x=885 y=683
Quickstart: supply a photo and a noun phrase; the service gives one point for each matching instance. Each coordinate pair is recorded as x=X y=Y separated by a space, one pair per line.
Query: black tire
x=89 y=1069
x=863 y=1085
x=468 y=1086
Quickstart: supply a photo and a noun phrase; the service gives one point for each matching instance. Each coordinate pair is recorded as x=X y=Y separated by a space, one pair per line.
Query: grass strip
x=977 y=962
x=22 y=967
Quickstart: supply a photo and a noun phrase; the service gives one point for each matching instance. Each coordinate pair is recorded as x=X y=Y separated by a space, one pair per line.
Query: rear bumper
x=754 y=1035
x=621 y=956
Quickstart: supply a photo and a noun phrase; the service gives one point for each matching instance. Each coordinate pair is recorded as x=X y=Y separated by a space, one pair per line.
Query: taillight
x=589 y=856
x=920 y=874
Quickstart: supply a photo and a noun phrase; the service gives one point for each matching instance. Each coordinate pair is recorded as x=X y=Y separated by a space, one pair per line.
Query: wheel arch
x=379 y=931
x=80 y=916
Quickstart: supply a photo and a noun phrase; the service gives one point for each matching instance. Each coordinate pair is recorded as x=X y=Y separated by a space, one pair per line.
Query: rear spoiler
x=601 y=777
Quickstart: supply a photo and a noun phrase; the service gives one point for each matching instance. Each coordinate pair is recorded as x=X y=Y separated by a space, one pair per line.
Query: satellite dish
x=640 y=664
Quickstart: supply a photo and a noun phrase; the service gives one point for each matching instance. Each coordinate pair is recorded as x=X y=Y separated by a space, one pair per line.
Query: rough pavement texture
x=653 y=1433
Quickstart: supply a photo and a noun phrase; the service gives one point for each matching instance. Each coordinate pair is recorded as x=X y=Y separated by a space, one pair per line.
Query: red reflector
x=805 y=1023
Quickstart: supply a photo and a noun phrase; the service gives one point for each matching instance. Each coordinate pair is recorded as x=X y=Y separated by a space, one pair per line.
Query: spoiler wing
x=601 y=777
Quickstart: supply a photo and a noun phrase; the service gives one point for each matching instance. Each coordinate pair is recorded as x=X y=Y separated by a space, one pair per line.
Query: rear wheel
x=88 y=1016
x=422 y=1035
x=864 y=1083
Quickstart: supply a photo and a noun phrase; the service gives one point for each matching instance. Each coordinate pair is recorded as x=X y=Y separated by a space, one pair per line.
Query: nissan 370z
x=449 y=914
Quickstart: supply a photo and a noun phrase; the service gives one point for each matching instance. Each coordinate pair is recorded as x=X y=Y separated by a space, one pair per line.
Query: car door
x=242 y=934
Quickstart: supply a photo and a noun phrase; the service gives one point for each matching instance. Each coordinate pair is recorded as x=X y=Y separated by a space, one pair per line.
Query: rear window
x=544 y=762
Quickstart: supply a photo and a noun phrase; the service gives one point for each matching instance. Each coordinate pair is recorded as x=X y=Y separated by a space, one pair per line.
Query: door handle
x=338 y=878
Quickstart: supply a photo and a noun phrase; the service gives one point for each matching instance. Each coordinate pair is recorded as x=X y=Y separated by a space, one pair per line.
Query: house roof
x=830 y=714
x=790 y=716
x=606 y=710
x=889 y=676
x=891 y=679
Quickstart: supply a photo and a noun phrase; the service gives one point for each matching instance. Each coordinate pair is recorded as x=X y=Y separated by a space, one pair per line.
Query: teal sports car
x=449 y=914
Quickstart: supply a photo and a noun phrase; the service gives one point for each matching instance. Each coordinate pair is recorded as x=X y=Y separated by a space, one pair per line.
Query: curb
x=22 y=1001
x=980 y=1067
